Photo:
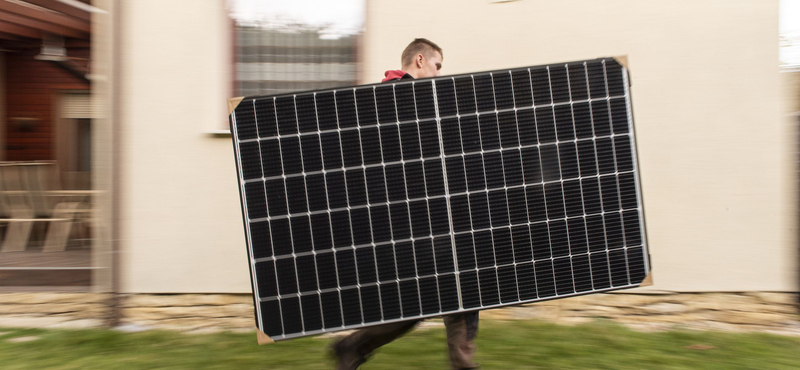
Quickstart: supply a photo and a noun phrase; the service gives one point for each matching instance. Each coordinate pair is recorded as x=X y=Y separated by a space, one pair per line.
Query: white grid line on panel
x=466 y=184
x=330 y=217
x=534 y=106
x=415 y=278
x=467 y=192
x=442 y=158
x=486 y=181
x=522 y=165
x=640 y=209
x=563 y=195
x=368 y=206
x=600 y=183
x=341 y=249
x=500 y=150
x=426 y=316
x=254 y=282
x=386 y=186
x=305 y=191
x=446 y=197
x=266 y=203
x=428 y=199
x=369 y=210
x=286 y=200
x=505 y=181
x=365 y=285
x=561 y=178
x=616 y=167
x=541 y=170
x=408 y=202
x=578 y=158
x=349 y=215
x=426 y=237
x=583 y=200
x=313 y=244
x=597 y=164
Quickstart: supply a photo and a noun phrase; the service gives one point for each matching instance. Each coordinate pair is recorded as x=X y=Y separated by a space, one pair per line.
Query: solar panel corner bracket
x=648 y=280
x=263 y=338
x=233 y=103
x=622 y=60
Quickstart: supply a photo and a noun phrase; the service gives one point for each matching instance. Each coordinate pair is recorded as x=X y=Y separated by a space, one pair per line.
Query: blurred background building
x=294 y=58
x=46 y=141
x=118 y=193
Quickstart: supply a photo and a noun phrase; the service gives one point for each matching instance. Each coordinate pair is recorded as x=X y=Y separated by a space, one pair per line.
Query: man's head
x=422 y=58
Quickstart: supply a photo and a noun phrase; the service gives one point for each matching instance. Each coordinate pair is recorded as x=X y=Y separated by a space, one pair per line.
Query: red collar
x=395 y=75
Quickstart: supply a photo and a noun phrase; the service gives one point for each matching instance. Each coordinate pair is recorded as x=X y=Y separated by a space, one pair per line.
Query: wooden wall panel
x=31 y=87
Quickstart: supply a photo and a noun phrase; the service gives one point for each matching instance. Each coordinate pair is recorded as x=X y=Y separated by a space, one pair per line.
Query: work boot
x=347 y=357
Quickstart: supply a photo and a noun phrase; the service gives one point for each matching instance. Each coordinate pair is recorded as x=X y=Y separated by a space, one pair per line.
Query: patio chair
x=28 y=196
x=20 y=213
x=61 y=210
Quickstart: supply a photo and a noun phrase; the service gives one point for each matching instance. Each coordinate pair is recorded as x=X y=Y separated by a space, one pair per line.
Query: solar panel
x=418 y=198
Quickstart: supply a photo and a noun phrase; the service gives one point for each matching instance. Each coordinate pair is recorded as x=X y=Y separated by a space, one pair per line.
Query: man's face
x=431 y=66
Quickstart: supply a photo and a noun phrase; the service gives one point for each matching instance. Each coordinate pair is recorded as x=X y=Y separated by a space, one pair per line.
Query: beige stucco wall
x=790 y=81
x=181 y=223
x=717 y=160
x=716 y=156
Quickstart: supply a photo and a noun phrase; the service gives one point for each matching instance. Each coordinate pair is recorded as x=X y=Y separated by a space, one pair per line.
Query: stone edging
x=756 y=311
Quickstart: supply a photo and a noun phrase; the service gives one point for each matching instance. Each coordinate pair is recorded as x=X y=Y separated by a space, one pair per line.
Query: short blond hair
x=419 y=46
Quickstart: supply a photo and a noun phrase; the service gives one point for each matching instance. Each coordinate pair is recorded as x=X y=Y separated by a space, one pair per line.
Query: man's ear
x=418 y=60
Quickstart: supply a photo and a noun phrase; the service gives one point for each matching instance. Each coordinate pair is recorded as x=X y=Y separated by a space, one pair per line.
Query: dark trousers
x=462 y=328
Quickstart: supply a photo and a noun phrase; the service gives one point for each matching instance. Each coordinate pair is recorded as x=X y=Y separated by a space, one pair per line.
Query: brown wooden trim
x=77 y=43
x=44 y=26
x=47 y=289
x=117 y=131
x=18 y=30
x=60 y=7
x=45 y=16
x=20 y=278
x=8 y=36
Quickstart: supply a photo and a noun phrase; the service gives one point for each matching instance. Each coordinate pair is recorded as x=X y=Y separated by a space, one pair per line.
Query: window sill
x=218 y=133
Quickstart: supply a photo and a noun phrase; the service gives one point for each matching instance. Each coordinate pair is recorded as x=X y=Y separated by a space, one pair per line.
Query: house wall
x=718 y=162
x=717 y=159
x=180 y=217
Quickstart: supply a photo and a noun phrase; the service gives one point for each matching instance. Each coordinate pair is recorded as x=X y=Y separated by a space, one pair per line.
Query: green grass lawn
x=501 y=345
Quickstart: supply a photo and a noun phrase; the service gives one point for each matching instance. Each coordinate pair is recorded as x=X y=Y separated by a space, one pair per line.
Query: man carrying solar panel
x=420 y=59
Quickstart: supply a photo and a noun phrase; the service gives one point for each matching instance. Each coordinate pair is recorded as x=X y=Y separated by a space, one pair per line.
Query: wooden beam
x=60 y=7
x=77 y=43
x=43 y=26
x=18 y=46
x=20 y=30
x=45 y=16
x=8 y=36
